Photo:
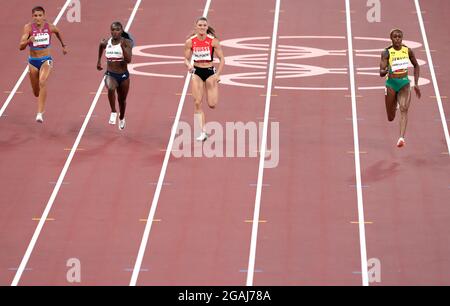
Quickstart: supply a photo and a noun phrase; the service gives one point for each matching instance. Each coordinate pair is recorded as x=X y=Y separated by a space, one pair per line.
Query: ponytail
x=128 y=36
x=211 y=31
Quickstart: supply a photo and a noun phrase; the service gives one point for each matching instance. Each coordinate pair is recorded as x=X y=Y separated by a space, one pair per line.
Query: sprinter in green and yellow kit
x=395 y=60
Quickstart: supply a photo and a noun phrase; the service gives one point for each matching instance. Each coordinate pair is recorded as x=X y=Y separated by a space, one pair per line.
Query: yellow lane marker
x=251 y=221
x=357 y=222
x=145 y=220
x=39 y=219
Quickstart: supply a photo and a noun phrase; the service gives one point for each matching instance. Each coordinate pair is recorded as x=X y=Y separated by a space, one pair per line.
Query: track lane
x=310 y=200
x=203 y=238
x=408 y=188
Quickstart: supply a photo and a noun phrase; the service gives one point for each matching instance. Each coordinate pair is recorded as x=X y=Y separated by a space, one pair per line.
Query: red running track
x=310 y=202
x=201 y=235
x=408 y=190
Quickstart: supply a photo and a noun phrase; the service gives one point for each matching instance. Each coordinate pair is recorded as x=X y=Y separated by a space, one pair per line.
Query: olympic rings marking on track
x=288 y=66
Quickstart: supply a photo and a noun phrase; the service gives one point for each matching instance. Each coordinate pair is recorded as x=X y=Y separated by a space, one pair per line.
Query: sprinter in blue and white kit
x=118 y=55
x=38 y=36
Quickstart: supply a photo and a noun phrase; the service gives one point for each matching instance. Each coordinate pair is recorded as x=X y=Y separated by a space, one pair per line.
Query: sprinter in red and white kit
x=200 y=48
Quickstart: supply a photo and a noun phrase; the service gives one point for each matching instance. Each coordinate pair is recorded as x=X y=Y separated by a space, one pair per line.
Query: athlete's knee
x=212 y=105
x=403 y=109
x=391 y=116
x=197 y=104
x=36 y=92
x=42 y=84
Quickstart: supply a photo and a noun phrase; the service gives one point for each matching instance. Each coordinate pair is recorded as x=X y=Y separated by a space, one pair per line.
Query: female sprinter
x=201 y=48
x=118 y=56
x=394 y=64
x=38 y=35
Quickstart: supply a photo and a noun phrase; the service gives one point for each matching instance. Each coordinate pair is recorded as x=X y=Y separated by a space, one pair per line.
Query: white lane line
x=433 y=74
x=362 y=230
x=24 y=73
x=50 y=202
x=254 y=237
x=162 y=174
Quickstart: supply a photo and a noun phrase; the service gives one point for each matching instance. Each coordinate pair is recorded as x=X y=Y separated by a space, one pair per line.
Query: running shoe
x=121 y=124
x=203 y=136
x=39 y=117
x=401 y=142
x=113 y=118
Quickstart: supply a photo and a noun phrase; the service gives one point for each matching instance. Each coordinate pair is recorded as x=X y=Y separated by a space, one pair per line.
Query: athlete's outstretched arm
x=219 y=52
x=101 y=48
x=127 y=50
x=25 y=39
x=412 y=58
x=384 y=64
x=58 y=34
x=188 y=55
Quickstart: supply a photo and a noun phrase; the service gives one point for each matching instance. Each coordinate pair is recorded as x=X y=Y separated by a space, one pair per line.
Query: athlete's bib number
x=41 y=39
x=201 y=54
x=400 y=65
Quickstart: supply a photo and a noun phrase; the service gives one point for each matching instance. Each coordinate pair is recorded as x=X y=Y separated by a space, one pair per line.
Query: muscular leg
x=404 y=99
x=34 y=78
x=111 y=84
x=44 y=74
x=198 y=88
x=391 y=103
x=212 y=92
x=122 y=92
